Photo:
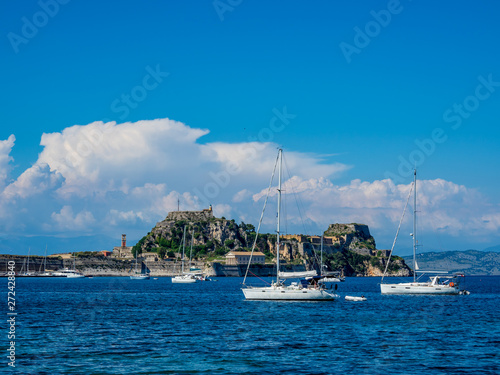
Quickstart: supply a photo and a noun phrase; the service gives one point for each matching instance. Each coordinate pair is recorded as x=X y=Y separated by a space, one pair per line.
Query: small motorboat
x=354 y=298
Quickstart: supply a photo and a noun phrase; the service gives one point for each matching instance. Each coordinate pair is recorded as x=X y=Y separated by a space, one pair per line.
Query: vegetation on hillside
x=350 y=262
x=212 y=239
x=206 y=246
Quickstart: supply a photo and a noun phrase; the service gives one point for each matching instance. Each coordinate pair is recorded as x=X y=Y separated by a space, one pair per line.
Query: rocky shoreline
x=105 y=266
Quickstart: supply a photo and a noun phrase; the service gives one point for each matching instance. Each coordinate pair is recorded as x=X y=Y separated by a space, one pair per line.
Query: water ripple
x=122 y=326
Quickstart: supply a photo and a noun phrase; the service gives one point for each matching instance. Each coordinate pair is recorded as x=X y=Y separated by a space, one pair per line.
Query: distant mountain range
x=493 y=248
x=470 y=262
x=20 y=245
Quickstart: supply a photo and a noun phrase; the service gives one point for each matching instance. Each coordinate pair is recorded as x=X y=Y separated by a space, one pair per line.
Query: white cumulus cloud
x=106 y=178
x=5 y=158
x=445 y=209
x=66 y=219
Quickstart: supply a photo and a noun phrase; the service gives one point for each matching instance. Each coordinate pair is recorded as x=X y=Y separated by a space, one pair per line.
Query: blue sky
x=224 y=70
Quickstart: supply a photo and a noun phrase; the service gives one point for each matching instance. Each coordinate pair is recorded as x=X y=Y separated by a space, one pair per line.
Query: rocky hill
x=352 y=263
x=351 y=236
x=209 y=235
x=470 y=262
x=348 y=248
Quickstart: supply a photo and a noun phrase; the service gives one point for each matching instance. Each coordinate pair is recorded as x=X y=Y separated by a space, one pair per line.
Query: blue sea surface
x=116 y=325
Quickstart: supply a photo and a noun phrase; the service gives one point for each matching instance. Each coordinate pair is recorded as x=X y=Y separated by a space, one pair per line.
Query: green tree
x=220 y=251
x=375 y=262
x=163 y=242
x=249 y=228
x=229 y=244
x=161 y=251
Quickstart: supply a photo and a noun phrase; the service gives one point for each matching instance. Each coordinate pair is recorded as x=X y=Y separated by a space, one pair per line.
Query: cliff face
x=376 y=267
x=350 y=236
x=348 y=248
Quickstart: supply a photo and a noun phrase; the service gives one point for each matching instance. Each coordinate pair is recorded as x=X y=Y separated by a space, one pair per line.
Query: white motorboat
x=184 y=279
x=307 y=290
x=66 y=272
x=355 y=298
x=437 y=285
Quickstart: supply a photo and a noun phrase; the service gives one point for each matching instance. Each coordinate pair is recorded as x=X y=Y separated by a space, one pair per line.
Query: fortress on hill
x=203 y=215
x=218 y=236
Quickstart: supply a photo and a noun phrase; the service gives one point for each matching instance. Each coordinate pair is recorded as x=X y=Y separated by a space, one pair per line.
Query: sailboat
x=27 y=272
x=74 y=274
x=184 y=278
x=45 y=272
x=193 y=270
x=438 y=284
x=138 y=275
x=330 y=277
x=309 y=289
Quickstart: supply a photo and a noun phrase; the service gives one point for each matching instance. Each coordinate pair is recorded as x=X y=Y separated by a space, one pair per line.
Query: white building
x=243 y=257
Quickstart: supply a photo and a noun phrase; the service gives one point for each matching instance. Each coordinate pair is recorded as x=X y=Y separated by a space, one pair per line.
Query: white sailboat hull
x=75 y=276
x=287 y=294
x=419 y=288
x=139 y=277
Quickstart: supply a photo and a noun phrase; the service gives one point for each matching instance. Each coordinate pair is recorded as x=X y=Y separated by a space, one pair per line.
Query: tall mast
x=41 y=264
x=45 y=260
x=414 y=224
x=321 y=262
x=191 y=249
x=280 y=156
x=183 y=248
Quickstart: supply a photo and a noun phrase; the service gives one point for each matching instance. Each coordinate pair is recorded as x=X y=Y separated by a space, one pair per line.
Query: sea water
x=108 y=325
